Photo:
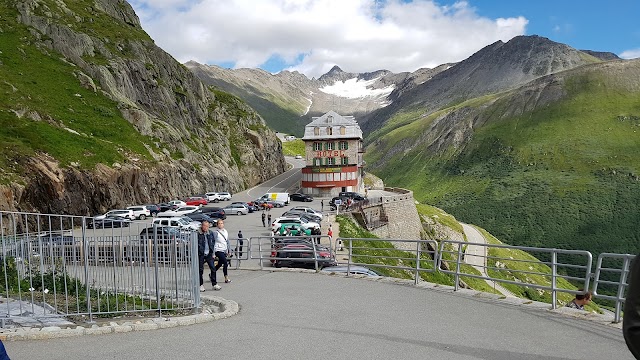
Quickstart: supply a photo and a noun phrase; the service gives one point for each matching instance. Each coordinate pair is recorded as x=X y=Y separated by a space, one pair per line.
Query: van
x=284 y=197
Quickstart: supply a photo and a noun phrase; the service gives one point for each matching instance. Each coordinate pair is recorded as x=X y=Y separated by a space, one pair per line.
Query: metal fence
x=607 y=265
x=56 y=266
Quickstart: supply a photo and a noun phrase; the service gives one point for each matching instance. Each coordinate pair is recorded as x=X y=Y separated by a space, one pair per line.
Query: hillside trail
x=476 y=256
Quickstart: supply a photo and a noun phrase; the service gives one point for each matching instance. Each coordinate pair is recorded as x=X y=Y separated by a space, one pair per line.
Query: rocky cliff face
x=196 y=140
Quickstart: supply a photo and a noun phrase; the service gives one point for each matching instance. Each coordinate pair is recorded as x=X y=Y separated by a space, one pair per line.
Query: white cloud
x=313 y=35
x=630 y=54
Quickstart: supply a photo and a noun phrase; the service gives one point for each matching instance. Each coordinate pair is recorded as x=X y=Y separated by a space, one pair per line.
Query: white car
x=177 y=203
x=298 y=156
x=177 y=222
x=140 y=212
x=224 y=195
x=179 y=211
x=123 y=213
x=275 y=225
x=308 y=210
x=213 y=197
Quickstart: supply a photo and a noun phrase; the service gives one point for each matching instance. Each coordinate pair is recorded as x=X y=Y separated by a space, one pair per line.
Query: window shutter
x=334 y=146
x=346 y=145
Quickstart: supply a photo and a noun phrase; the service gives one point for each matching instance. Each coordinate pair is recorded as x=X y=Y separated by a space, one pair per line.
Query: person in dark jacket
x=206 y=242
x=631 y=319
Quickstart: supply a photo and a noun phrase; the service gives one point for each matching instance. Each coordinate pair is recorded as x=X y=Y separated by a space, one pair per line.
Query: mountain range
x=531 y=139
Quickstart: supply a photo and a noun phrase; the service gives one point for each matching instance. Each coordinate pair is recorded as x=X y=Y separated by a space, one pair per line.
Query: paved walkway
x=476 y=256
x=303 y=315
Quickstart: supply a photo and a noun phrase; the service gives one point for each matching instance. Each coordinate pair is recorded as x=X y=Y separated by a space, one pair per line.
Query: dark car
x=162 y=233
x=153 y=209
x=301 y=255
x=213 y=212
x=343 y=199
x=166 y=207
x=301 y=197
x=201 y=217
x=351 y=195
x=56 y=239
x=109 y=222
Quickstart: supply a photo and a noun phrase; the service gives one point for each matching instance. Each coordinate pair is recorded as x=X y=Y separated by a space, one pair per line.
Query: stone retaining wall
x=402 y=216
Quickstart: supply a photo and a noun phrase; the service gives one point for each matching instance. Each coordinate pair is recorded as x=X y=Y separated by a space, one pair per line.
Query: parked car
x=201 y=217
x=275 y=203
x=163 y=233
x=177 y=222
x=301 y=197
x=123 y=213
x=290 y=229
x=213 y=197
x=153 y=209
x=177 y=203
x=298 y=156
x=250 y=207
x=263 y=204
x=165 y=207
x=275 y=225
x=351 y=195
x=56 y=238
x=308 y=210
x=343 y=201
x=179 y=211
x=196 y=201
x=224 y=195
x=301 y=255
x=140 y=212
x=301 y=214
x=108 y=223
x=236 y=209
x=214 y=212
x=352 y=270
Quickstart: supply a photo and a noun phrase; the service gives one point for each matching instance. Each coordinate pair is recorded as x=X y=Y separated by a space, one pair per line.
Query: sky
x=311 y=36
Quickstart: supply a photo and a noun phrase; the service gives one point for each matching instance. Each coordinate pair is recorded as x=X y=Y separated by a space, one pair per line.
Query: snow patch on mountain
x=355 y=89
x=310 y=103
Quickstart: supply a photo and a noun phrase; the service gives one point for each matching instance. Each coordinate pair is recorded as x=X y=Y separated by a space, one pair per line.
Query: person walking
x=221 y=250
x=631 y=317
x=240 y=245
x=263 y=218
x=321 y=204
x=330 y=233
x=269 y=220
x=206 y=243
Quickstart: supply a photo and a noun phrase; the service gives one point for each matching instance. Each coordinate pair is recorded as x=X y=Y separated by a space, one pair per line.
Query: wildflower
x=46 y=291
x=31 y=289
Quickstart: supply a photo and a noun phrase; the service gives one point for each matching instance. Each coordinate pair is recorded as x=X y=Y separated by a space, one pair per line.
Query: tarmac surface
x=303 y=315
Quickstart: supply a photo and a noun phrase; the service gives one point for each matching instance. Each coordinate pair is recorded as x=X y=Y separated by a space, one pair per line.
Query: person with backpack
x=263 y=218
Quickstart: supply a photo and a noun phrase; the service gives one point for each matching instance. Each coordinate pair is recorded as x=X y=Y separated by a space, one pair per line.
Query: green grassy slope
x=565 y=175
x=72 y=124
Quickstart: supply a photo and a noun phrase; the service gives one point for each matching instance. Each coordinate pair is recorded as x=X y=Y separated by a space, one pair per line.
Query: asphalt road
x=291 y=315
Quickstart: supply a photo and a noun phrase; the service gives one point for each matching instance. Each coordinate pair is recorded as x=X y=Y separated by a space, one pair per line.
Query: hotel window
x=329 y=119
x=345 y=160
x=331 y=146
x=317 y=161
x=331 y=161
x=317 y=146
x=343 y=130
x=316 y=131
x=343 y=145
x=329 y=130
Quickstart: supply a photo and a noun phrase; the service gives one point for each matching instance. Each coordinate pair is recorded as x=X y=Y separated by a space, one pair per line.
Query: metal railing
x=509 y=270
x=621 y=271
x=53 y=266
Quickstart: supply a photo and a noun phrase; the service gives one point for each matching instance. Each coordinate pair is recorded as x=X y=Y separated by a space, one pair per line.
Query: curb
x=208 y=314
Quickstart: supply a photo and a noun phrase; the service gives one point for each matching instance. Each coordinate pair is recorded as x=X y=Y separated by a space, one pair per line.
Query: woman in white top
x=221 y=249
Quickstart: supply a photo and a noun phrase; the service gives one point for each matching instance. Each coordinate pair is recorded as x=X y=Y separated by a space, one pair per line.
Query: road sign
x=338 y=202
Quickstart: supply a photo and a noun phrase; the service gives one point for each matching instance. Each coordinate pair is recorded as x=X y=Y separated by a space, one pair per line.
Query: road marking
x=287 y=178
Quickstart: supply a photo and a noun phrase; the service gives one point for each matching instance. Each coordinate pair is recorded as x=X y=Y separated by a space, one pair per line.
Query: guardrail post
x=620 y=293
x=416 y=279
x=457 y=275
x=315 y=255
x=195 y=270
x=155 y=258
x=85 y=260
x=554 y=269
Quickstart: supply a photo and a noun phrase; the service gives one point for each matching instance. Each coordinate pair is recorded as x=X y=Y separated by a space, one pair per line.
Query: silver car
x=237 y=209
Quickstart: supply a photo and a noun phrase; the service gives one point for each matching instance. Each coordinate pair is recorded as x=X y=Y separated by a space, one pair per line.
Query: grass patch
x=439 y=216
x=293 y=148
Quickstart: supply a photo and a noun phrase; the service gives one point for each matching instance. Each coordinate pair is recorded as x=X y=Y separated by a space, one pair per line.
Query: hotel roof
x=335 y=122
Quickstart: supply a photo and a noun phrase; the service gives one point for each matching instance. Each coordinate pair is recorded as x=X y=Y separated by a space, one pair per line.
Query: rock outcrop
x=197 y=140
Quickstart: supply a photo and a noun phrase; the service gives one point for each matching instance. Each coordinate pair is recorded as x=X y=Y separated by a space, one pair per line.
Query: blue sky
x=311 y=36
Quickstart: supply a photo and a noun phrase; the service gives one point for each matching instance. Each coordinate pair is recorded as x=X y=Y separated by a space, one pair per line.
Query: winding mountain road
x=476 y=256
